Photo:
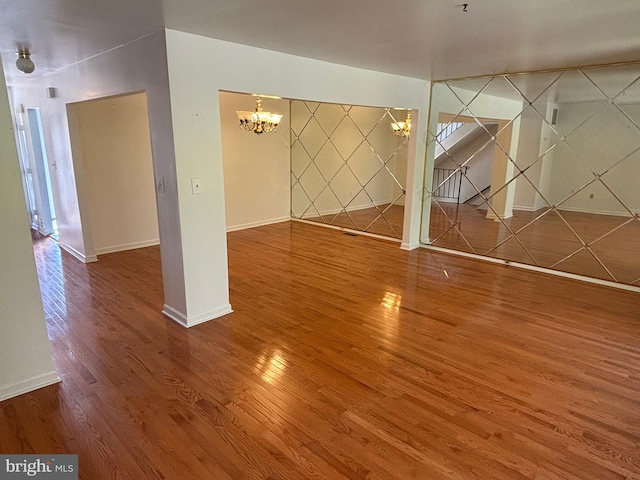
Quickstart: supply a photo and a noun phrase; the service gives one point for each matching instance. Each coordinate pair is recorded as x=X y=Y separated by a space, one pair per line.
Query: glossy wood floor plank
x=614 y=239
x=345 y=358
x=546 y=237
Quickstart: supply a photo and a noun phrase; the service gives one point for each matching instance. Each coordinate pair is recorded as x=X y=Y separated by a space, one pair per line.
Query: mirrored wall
x=540 y=168
x=348 y=167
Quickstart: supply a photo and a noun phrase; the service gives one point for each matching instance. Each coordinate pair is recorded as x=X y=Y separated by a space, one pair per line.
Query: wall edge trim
x=190 y=321
x=127 y=246
x=29 y=385
x=80 y=256
x=261 y=223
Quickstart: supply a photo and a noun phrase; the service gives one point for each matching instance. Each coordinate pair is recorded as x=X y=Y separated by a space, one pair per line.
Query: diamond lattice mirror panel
x=348 y=167
x=540 y=168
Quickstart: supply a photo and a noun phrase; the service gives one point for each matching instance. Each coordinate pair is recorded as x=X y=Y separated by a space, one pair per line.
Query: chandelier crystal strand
x=259 y=121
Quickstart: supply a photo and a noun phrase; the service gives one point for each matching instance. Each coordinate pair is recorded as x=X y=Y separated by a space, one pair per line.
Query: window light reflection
x=271 y=366
x=389 y=321
x=391 y=301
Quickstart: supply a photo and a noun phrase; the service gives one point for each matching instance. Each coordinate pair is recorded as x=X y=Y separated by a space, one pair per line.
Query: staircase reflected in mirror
x=548 y=171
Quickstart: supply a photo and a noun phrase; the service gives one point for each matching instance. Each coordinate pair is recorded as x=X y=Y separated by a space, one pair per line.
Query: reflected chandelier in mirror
x=348 y=169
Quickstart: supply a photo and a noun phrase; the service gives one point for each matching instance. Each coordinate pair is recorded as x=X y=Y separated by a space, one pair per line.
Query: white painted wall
x=135 y=67
x=598 y=145
x=186 y=139
x=360 y=135
x=256 y=167
x=536 y=157
x=526 y=197
x=399 y=170
x=195 y=103
x=118 y=172
x=25 y=355
x=547 y=140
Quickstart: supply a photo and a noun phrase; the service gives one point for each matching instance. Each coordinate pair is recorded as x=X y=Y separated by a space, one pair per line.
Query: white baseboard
x=409 y=246
x=595 y=212
x=127 y=246
x=260 y=223
x=28 y=385
x=190 y=321
x=350 y=208
x=80 y=256
x=573 y=209
x=491 y=215
x=527 y=208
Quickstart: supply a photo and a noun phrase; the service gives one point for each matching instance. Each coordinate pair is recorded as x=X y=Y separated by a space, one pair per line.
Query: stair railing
x=448 y=182
x=444 y=129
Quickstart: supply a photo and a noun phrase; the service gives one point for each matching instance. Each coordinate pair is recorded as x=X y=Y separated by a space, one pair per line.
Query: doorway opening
x=111 y=146
x=35 y=169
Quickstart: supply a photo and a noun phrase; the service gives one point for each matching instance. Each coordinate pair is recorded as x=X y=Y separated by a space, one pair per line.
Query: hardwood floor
x=385 y=220
x=345 y=358
x=548 y=239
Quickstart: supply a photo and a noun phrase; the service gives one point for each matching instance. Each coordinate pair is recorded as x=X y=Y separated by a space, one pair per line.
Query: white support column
x=195 y=113
x=503 y=171
x=413 y=210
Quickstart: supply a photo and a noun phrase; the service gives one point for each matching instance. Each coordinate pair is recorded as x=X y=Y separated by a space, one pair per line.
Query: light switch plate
x=196 y=185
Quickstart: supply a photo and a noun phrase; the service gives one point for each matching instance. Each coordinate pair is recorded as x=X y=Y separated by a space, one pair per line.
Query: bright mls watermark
x=47 y=466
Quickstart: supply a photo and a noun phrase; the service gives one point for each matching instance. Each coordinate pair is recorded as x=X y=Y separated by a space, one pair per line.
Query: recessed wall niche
x=348 y=169
x=542 y=169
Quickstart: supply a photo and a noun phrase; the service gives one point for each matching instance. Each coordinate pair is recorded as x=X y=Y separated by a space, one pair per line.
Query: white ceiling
x=428 y=39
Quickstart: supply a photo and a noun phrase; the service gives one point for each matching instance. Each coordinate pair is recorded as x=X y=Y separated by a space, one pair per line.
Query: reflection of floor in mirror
x=546 y=238
x=384 y=220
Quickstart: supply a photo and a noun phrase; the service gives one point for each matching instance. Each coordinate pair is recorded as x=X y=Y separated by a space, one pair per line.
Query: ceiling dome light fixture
x=259 y=121
x=24 y=63
x=402 y=129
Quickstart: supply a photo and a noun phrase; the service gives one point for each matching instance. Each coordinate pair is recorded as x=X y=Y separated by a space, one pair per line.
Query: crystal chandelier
x=259 y=121
x=402 y=129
